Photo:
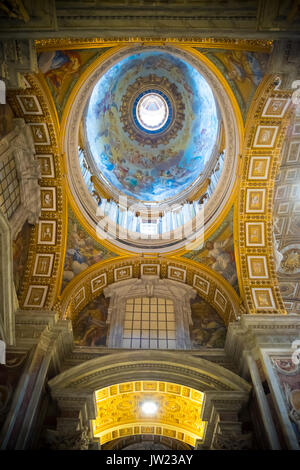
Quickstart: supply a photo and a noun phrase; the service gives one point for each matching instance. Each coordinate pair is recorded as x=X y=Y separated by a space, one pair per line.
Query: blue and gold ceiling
x=147 y=165
x=151 y=166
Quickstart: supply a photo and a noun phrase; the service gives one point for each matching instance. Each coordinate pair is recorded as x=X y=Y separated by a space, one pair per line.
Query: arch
x=35 y=105
x=266 y=125
x=221 y=392
x=210 y=285
x=174 y=367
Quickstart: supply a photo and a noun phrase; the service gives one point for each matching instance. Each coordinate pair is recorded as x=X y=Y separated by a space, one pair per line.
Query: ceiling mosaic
x=218 y=252
x=126 y=154
x=82 y=250
x=243 y=70
x=62 y=69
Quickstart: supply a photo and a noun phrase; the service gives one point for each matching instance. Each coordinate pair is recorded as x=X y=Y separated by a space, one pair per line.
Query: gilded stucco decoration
x=266 y=126
x=178 y=415
x=209 y=285
x=41 y=278
x=287 y=218
x=212 y=43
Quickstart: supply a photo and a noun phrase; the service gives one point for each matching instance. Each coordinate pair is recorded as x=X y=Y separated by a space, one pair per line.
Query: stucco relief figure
x=277 y=254
x=291 y=261
x=265 y=136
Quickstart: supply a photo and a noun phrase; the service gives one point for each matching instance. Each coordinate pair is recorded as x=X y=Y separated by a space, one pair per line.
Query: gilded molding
x=88 y=285
x=212 y=43
x=266 y=126
x=48 y=237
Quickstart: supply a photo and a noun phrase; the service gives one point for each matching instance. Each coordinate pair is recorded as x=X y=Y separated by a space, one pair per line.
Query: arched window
x=149 y=313
x=149 y=322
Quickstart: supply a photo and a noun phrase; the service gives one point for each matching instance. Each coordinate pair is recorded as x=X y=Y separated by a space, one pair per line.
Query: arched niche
x=225 y=393
x=152 y=288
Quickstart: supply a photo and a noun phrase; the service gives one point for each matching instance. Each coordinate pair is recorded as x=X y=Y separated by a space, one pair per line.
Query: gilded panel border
x=266 y=126
x=41 y=281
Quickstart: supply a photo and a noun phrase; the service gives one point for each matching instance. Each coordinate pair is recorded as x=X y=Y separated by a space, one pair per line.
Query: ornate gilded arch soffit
x=210 y=285
x=41 y=279
x=210 y=385
x=266 y=127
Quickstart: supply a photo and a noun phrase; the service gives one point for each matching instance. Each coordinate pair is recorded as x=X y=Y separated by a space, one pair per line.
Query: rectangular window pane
x=136 y=344
x=145 y=343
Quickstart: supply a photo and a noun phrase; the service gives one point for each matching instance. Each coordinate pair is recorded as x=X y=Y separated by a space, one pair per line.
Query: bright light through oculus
x=152 y=111
x=149 y=408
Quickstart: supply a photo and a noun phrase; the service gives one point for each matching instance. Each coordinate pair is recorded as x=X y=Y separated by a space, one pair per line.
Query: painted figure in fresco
x=82 y=251
x=208 y=329
x=58 y=65
x=221 y=258
x=90 y=327
x=243 y=66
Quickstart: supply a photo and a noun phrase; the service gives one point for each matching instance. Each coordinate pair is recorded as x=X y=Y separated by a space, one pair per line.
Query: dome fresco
x=145 y=161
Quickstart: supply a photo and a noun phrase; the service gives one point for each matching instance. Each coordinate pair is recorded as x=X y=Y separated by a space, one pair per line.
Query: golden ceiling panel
x=266 y=126
x=41 y=282
x=120 y=412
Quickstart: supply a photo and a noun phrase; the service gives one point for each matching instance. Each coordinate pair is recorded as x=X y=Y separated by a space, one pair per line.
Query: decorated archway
x=209 y=396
